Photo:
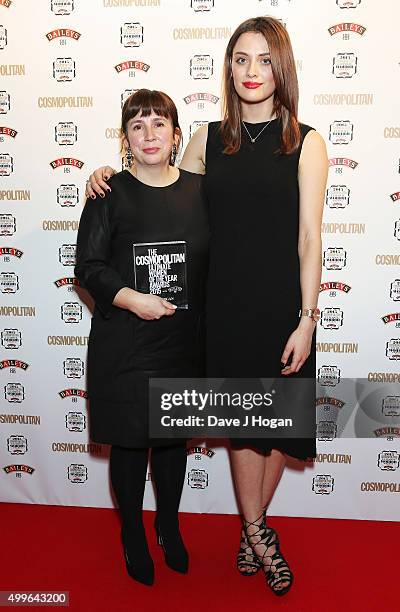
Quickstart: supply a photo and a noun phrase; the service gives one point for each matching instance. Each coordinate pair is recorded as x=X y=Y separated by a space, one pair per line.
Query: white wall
x=366 y=228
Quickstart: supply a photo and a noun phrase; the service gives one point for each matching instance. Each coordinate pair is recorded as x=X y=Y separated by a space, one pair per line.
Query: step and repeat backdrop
x=66 y=67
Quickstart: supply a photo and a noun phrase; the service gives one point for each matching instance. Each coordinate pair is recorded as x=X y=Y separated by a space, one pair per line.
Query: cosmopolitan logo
x=67 y=340
x=65 y=101
x=387 y=260
x=63 y=33
x=6 y=3
x=15 y=194
x=12 y=69
x=66 y=161
x=25 y=469
x=390 y=318
x=21 y=419
x=13 y=363
x=347 y=27
x=331 y=458
x=380 y=487
x=70 y=280
x=17 y=311
x=200 y=450
x=395 y=196
x=340 y=99
x=132 y=65
x=166 y=258
x=8 y=131
x=60 y=225
x=76 y=447
x=201 y=33
x=73 y=393
x=196 y=97
x=343 y=161
x=391 y=132
x=336 y=347
x=387 y=377
x=334 y=285
x=343 y=228
x=113 y=133
x=11 y=251
x=331 y=401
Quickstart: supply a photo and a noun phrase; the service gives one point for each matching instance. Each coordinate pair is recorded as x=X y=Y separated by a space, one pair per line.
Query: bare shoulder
x=194 y=157
x=313 y=142
x=313 y=150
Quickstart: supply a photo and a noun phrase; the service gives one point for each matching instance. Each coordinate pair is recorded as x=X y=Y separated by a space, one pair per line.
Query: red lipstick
x=151 y=150
x=251 y=85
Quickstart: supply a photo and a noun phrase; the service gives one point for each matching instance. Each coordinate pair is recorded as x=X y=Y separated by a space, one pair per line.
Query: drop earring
x=173 y=154
x=128 y=157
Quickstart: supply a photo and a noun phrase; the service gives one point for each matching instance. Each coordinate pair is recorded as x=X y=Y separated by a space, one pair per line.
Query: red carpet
x=339 y=565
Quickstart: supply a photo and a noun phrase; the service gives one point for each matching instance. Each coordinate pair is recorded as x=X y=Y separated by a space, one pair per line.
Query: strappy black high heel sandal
x=274 y=565
x=246 y=556
x=175 y=553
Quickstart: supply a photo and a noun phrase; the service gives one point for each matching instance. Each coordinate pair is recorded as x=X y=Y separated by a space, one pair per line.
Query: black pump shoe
x=175 y=553
x=141 y=569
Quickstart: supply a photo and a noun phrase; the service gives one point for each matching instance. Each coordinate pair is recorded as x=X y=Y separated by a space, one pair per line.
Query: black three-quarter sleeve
x=93 y=254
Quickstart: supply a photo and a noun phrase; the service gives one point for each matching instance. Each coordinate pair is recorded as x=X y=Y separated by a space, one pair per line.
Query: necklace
x=259 y=133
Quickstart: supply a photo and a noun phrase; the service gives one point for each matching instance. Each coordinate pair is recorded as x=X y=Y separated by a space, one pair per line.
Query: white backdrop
x=64 y=67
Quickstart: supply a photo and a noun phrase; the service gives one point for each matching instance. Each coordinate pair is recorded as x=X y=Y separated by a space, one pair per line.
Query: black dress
x=254 y=293
x=125 y=350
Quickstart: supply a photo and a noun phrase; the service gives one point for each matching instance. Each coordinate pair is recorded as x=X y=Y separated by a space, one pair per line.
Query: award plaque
x=160 y=269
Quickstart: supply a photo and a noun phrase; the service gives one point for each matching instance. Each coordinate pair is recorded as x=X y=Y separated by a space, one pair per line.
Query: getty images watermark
x=194 y=399
x=257 y=408
x=325 y=408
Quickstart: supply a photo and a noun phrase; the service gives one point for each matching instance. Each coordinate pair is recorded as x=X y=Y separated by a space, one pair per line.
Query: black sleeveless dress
x=254 y=293
x=125 y=350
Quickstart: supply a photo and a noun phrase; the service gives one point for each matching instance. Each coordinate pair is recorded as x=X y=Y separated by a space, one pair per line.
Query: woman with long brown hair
x=265 y=178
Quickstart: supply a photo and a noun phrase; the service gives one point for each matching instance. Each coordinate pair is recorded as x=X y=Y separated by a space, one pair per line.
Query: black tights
x=128 y=468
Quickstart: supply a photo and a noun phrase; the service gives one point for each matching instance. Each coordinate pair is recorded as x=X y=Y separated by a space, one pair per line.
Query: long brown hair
x=286 y=94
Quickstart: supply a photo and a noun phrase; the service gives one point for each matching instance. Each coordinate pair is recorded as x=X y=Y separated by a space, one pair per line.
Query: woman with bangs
x=265 y=178
x=136 y=335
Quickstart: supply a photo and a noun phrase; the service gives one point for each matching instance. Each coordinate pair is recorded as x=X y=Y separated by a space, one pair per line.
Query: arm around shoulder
x=194 y=157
